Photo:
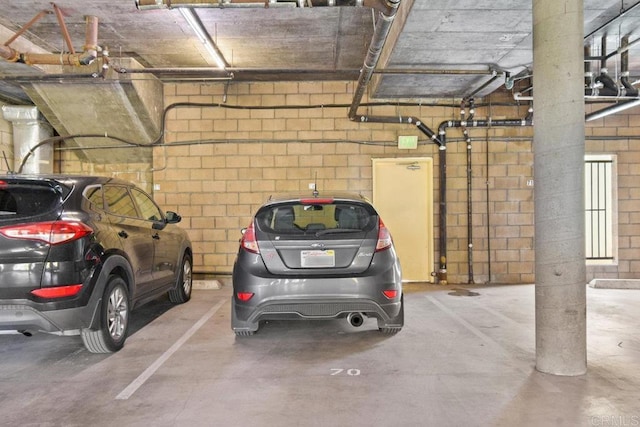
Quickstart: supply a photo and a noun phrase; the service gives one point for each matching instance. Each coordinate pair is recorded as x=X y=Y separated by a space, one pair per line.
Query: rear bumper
x=23 y=317
x=65 y=317
x=248 y=318
x=315 y=297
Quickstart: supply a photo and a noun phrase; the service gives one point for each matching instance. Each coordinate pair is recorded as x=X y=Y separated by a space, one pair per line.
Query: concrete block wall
x=224 y=159
x=620 y=136
x=236 y=145
x=68 y=161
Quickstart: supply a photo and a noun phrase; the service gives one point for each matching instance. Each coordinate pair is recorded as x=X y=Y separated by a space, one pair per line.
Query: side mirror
x=173 y=218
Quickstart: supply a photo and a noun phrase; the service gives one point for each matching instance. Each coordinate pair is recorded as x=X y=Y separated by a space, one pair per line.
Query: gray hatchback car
x=317 y=257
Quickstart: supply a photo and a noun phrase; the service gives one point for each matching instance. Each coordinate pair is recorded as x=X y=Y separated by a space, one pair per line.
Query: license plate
x=318 y=259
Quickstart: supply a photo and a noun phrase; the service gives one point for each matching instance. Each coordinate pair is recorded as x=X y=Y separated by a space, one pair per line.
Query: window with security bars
x=599 y=208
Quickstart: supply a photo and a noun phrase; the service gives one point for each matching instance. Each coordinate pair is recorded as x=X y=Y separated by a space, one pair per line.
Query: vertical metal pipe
x=469 y=210
x=488 y=209
x=90 y=41
x=469 y=196
x=442 y=247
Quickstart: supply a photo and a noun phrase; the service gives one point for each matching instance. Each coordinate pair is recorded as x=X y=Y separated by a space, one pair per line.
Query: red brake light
x=390 y=293
x=314 y=201
x=384 y=237
x=248 y=241
x=3 y=184
x=57 y=292
x=245 y=296
x=52 y=232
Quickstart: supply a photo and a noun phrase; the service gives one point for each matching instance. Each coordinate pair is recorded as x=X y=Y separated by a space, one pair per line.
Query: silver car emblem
x=317 y=245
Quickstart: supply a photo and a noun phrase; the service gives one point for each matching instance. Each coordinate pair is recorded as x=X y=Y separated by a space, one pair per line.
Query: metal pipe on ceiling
x=474 y=92
x=26 y=26
x=238 y=73
x=89 y=54
x=383 y=26
x=63 y=28
x=623 y=12
x=381 y=6
x=591 y=95
x=434 y=71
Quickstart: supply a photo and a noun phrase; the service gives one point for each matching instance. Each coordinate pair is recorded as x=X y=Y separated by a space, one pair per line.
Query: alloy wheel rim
x=186 y=277
x=117 y=313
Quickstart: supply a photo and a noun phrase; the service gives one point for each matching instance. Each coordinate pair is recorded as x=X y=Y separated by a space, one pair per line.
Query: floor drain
x=463 y=293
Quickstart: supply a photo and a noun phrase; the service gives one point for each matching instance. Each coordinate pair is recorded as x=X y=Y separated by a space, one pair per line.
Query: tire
x=244 y=333
x=114 y=319
x=184 y=283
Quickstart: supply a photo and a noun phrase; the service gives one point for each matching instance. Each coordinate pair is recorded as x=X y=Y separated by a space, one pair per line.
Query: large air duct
x=29 y=128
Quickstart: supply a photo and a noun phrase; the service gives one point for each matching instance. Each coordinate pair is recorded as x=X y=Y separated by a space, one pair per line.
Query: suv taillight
x=248 y=241
x=52 y=232
x=58 y=291
x=384 y=237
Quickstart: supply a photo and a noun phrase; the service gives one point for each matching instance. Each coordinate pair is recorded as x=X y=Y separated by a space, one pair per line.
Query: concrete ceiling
x=437 y=49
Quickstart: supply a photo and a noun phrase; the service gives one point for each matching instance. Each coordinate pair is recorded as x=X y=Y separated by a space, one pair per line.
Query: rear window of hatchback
x=23 y=200
x=302 y=218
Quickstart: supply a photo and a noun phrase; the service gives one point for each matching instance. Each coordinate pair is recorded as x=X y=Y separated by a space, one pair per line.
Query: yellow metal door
x=403 y=195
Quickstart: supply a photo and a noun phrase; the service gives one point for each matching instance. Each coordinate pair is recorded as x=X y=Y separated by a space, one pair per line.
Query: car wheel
x=114 y=319
x=244 y=333
x=182 y=291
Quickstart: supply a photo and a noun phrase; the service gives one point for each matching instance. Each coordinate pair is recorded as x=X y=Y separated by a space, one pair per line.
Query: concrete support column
x=559 y=149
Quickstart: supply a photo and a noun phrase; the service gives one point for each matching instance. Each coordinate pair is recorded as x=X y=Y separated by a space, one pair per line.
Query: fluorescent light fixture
x=196 y=25
x=611 y=110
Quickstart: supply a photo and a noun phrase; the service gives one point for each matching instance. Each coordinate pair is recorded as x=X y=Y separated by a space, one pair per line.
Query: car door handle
x=156 y=236
x=123 y=234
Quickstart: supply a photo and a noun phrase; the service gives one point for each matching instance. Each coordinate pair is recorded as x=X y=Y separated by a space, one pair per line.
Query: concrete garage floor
x=461 y=360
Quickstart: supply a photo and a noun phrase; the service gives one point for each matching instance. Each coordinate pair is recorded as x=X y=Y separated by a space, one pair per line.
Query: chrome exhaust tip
x=355 y=319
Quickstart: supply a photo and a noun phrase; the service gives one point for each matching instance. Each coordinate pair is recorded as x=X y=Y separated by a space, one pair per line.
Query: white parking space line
x=142 y=378
x=521 y=365
x=490 y=342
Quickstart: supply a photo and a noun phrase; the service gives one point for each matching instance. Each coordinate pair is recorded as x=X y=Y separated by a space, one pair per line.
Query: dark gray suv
x=78 y=253
x=317 y=257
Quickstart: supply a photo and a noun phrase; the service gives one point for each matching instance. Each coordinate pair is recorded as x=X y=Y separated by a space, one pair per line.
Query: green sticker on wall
x=408 y=142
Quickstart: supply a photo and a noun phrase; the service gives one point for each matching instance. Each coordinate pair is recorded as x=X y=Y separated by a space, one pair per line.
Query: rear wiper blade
x=337 y=231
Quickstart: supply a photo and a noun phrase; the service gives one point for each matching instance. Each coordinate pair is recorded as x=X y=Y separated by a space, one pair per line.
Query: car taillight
x=384 y=237
x=248 y=241
x=57 y=292
x=245 y=296
x=52 y=232
x=390 y=293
